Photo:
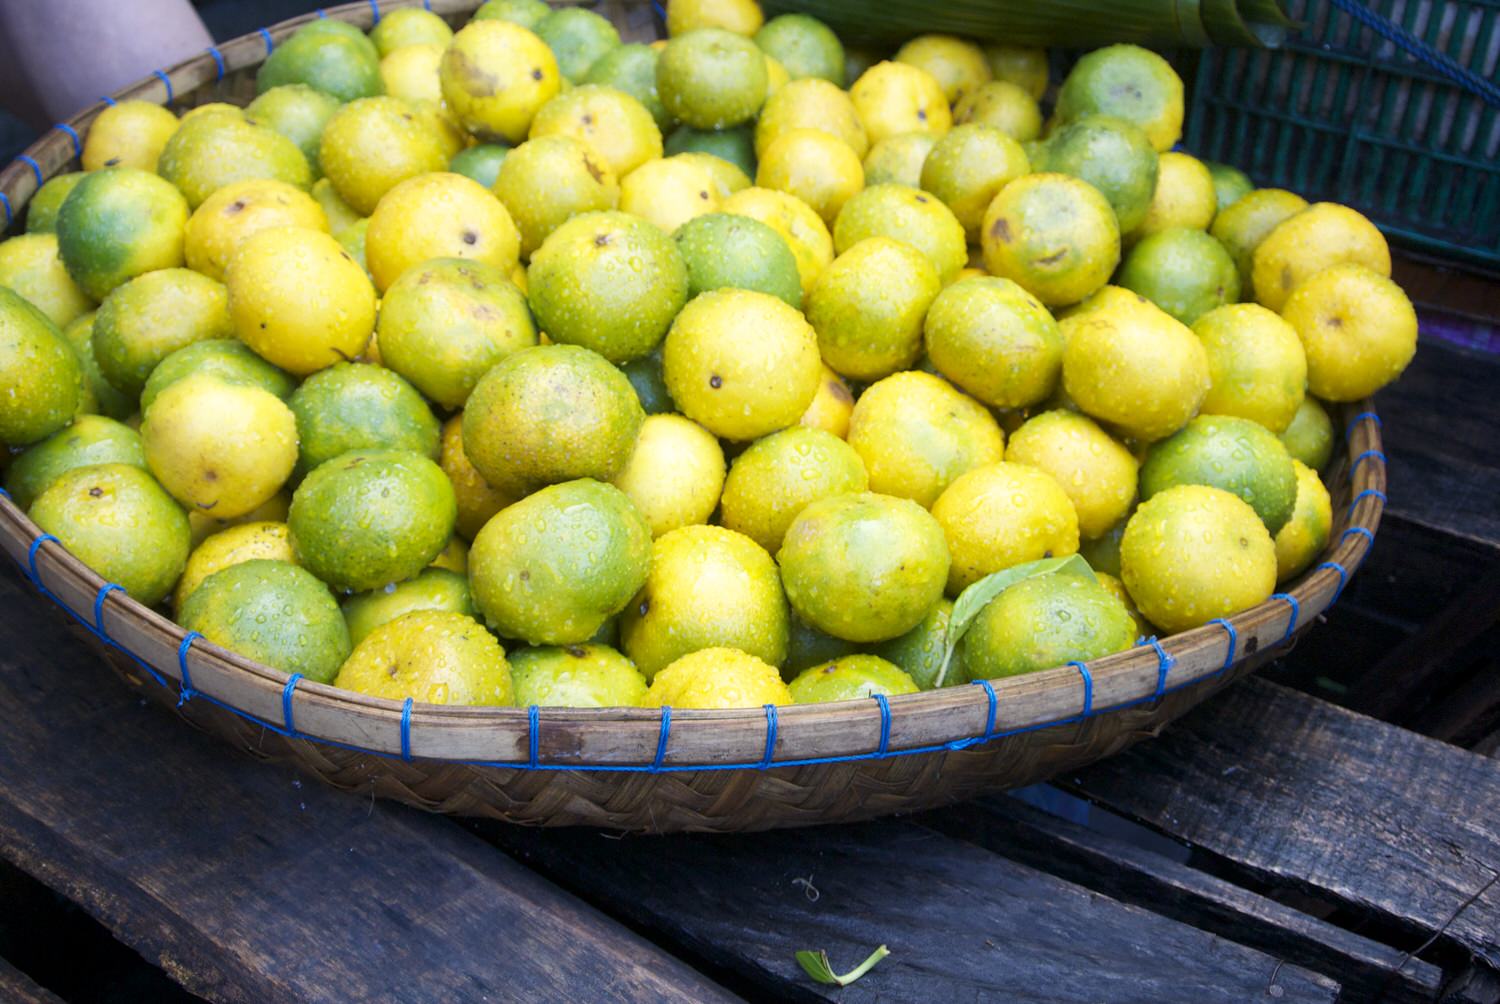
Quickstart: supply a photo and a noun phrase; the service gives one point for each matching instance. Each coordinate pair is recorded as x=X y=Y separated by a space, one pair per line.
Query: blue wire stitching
x=73 y=135
x=885 y=723
x=661 y=740
x=1438 y=62
x=1359 y=531
x=1365 y=456
x=36 y=169
x=265 y=36
x=213 y=50
x=186 y=692
x=1164 y=664
x=375 y=6
x=99 y=598
x=1361 y=417
x=770 y=735
x=533 y=735
x=166 y=82
x=427 y=4
x=36 y=545
x=406 y=730
x=1296 y=612
x=5 y=201
x=1234 y=642
x=286 y=702
x=107 y=100
x=989 y=722
x=1371 y=492
x=322 y=13
x=1343 y=579
x=1088 y=691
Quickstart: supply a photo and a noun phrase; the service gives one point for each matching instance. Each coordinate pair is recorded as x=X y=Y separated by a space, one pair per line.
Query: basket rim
x=637 y=738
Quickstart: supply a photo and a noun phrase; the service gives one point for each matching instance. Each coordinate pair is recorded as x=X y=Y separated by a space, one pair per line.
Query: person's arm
x=58 y=56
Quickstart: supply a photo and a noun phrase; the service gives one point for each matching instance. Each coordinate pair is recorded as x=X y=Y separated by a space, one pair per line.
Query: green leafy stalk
x=980 y=594
x=816 y=965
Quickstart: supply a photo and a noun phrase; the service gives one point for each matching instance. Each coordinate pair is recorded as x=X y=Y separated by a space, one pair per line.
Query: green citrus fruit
x=575 y=676
x=480 y=162
x=908 y=215
x=299 y=112
x=432 y=656
x=1230 y=184
x=780 y=475
x=804 y=45
x=632 y=69
x=1001 y=515
x=431 y=589
x=117 y=224
x=356 y=406
x=331 y=62
x=867 y=307
x=1242 y=226
x=1046 y=621
x=1304 y=536
x=898 y=159
x=711 y=79
x=578 y=38
x=1111 y=154
x=43 y=377
x=1096 y=471
x=31 y=265
x=1234 y=454
x=1185 y=272
x=233 y=545
x=849 y=679
x=46 y=202
x=89 y=440
x=722 y=250
x=274 y=613
x=1358 y=328
x=145 y=320
x=1128 y=82
x=206 y=154
x=1054 y=234
x=994 y=340
x=1256 y=365
x=1309 y=437
x=920 y=651
x=229 y=360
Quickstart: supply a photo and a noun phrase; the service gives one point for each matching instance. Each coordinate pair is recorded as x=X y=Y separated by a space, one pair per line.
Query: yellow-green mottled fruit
x=867 y=308
x=554 y=567
x=526 y=13
x=409 y=26
x=31 y=265
x=1358 y=328
x=371 y=145
x=804 y=45
x=89 y=440
x=547 y=181
x=675 y=473
x=1235 y=454
x=1128 y=82
x=274 y=613
x=1242 y=226
x=920 y=651
x=331 y=61
x=117 y=520
x=356 y=406
x=994 y=340
x=477 y=500
x=898 y=159
x=432 y=656
x=864 y=567
x=1256 y=365
x=849 y=679
x=908 y=215
x=1046 y=621
x=148 y=318
x=117 y=224
x=1194 y=553
x=1053 y=234
x=494 y=76
x=206 y=154
x=632 y=69
x=127 y=134
x=611 y=122
x=445 y=324
x=551 y=413
x=1304 y=536
x=46 y=202
x=1309 y=438
x=1002 y=515
x=371 y=517
x=810 y=104
x=1003 y=105
x=717 y=678
x=608 y=282
x=432 y=589
x=225 y=358
x=1097 y=471
x=711 y=79
x=438 y=215
x=227 y=218
x=780 y=475
x=220 y=448
x=578 y=38
x=43 y=378
x=916 y=434
x=575 y=676
x=893 y=98
x=967 y=168
x=1112 y=155
x=299 y=112
x=722 y=249
x=108 y=399
x=708 y=587
x=1185 y=272
x=235 y=545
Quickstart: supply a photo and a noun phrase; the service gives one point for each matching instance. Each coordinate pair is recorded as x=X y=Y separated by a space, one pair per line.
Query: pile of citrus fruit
x=516 y=365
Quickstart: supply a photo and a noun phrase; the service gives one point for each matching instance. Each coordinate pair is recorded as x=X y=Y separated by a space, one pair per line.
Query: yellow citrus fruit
x=1116 y=588
x=411 y=72
x=1024 y=66
x=372 y=144
x=274 y=510
x=1257 y=368
x=810 y=103
x=867 y=308
x=994 y=340
x=299 y=300
x=611 y=122
x=1130 y=83
x=1241 y=227
x=674 y=474
x=232 y=546
x=780 y=475
x=1321 y=236
x=1194 y=553
x=850 y=678
x=205 y=154
x=968 y=167
x=545 y=182
x=31 y=265
x=409 y=26
x=477 y=500
x=1001 y=105
x=908 y=215
x=1054 y=234
x=128 y=134
x=717 y=678
x=743 y=17
x=1046 y=621
x=453 y=558
x=432 y=656
x=495 y=77
x=799 y=225
x=150 y=317
x=1096 y=471
x=229 y=216
x=893 y=98
x=1302 y=539
x=956 y=64
x=831 y=406
x=898 y=159
x=916 y=434
x=1184 y=196
x=1357 y=327
x=439 y=215
x=87 y=440
x=575 y=676
x=669 y=192
x=1000 y=515
x=46 y=202
x=815 y=166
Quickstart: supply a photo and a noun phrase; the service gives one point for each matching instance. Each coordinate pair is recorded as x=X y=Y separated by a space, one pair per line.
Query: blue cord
x=1364 y=416
x=989 y=721
x=1343 y=579
x=375 y=6
x=36 y=169
x=99 y=598
x=1371 y=493
x=31 y=558
x=186 y=692
x=533 y=734
x=1088 y=688
x=213 y=50
x=1440 y=63
x=167 y=83
x=885 y=723
x=73 y=135
x=1234 y=642
x=406 y=730
x=1164 y=664
x=1359 y=531
x=286 y=702
x=1366 y=456
x=770 y=735
x=1296 y=612
x=266 y=37
x=5 y=201
x=661 y=740
x=107 y=100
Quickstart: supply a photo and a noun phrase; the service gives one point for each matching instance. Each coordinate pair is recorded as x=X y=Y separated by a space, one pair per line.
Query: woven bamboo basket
x=644 y=770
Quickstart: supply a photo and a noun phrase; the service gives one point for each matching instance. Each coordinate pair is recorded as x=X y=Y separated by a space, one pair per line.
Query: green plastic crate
x=1352 y=109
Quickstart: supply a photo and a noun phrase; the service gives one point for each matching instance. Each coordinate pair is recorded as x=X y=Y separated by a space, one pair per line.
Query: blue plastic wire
x=1363 y=416
x=99 y=598
x=770 y=735
x=186 y=692
x=213 y=50
x=1438 y=62
x=107 y=100
x=1359 y=531
x=1366 y=456
x=1296 y=612
x=1371 y=493
x=1088 y=689
x=375 y=6
x=1343 y=578
x=1234 y=641
x=661 y=740
x=322 y=13
x=885 y=723
x=36 y=545
x=36 y=168
x=406 y=730
x=265 y=36
x=5 y=201
x=989 y=721
x=427 y=4
x=1164 y=664
x=166 y=82
x=533 y=734
x=73 y=135
x=286 y=702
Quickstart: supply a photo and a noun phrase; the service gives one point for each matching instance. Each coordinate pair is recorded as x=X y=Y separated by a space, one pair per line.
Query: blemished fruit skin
x=206 y=154
x=717 y=678
x=554 y=567
x=547 y=181
x=371 y=145
x=708 y=588
x=617 y=126
x=1053 y=234
x=920 y=651
x=711 y=79
x=43 y=377
x=1046 y=621
x=1357 y=327
x=1112 y=155
x=119 y=223
x=1323 y=235
x=432 y=656
x=432 y=589
x=1235 y=454
x=850 y=678
x=261 y=539
x=117 y=520
x=1193 y=553
x=356 y=406
x=868 y=305
x=1001 y=515
x=908 y=215
x=438 y=215
x=370 y=517
x=967 y=168
x=230 y=215
x=1096 y=471
x=31 y=265
x=229 y=360
x=721 y=249
x=495 y=75
x=273 y=612
x=88 y=440
x=608 y=282
x=575 y=676
x=143 y=321
x=548 y=414
x=995 y=341
x=780 y=475
x=864 y=567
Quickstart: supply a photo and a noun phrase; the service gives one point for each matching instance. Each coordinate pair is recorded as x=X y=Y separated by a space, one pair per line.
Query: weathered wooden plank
x=18 y=988
x=1135 y=875
x=1303 y=794
x=247 y=884
x=962 y=924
